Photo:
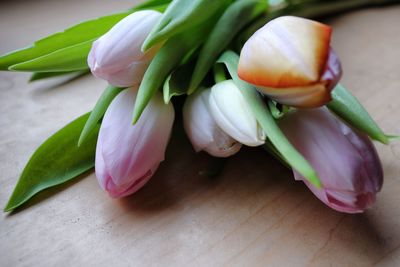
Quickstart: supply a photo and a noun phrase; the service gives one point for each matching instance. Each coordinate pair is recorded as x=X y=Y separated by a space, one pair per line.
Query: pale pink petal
x=117 y=57
x=345 y=160
x=127 y=155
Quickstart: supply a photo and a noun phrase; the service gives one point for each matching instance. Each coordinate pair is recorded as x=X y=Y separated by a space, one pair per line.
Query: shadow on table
x=248 y=179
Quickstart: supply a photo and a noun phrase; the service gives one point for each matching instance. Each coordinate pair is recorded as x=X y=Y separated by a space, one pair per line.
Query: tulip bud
x=290 y=60
x=128 y=155
x=346 y=161
x=234 y=115
x=117 y=57
x=202 y=129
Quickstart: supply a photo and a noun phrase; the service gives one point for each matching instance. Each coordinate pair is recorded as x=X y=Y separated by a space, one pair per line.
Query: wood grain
x=253 y=214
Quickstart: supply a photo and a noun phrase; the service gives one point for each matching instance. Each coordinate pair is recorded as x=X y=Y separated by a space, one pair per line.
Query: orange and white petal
x=310 y=96
x=287 y=51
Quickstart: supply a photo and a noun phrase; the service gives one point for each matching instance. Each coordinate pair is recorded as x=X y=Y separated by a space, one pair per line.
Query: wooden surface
x=254 y=214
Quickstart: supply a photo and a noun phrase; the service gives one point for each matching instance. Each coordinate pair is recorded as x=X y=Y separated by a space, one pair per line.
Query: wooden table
x=253 y=214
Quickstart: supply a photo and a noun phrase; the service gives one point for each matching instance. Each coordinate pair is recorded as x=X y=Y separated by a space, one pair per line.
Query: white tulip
x=202 y=129
x=234 y=115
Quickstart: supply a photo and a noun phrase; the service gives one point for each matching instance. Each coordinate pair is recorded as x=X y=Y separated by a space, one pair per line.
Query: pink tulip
x=117 y=57
x=128 y=155
x=345 y=160
x=291 y=61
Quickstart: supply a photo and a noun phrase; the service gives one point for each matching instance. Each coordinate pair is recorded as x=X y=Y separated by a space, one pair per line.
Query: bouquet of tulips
x=251 y=73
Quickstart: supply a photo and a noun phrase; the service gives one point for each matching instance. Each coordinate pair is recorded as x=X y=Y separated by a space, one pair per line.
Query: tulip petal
x=290 y=60
x=117 y=56
x=233 y=114
x=286 y=52
x=122 y=44
x=305 y=97
x=346 y=161
x=202 y=129
x=127 y=155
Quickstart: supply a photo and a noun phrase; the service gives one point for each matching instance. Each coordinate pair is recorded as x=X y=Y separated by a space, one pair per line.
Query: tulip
x=202 y=129
x=346 y=160
x=117 y=57
x=291 y=61
x=234 y=115
x=128 y=155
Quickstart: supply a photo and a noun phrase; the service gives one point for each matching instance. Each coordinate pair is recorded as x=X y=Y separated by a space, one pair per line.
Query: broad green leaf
x=267 y=122
x=182 y=15
x=347 y=107
x=36 y=76
x=177 y=82
x=235 y=17
x=158 y=5
x=72 y=58
x=174 y=53
x=56 y=161
x=83 y=32
x=98 y=112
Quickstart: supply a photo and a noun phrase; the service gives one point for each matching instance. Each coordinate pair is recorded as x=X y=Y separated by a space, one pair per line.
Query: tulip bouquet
x=250 y=72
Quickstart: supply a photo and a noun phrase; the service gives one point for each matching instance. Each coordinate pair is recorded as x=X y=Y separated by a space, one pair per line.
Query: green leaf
x=182 y=15
x=267 y=122
x=174 y=53
x=56 y=161
x=72 y=58
x=47 y=75
x=157 y=5
x=83 y=32
x=347 y=107
x=177 y=82
x=36 y=76
x=98 y=112
x=235 y=17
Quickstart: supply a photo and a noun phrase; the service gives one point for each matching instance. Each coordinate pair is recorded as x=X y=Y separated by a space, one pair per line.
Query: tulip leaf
x=177 y=82
x=83 y=32
x=174 y=53
x=98 y=112
x=347 y=107
x=72 y=58
x=157 y=5
x=36 y=76
x=56 y=161
x=182 y=15
x=236 y=16
x=267 y=122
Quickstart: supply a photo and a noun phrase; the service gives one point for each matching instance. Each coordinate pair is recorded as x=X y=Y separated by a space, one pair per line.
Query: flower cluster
x=288 y=60
x=249 y=76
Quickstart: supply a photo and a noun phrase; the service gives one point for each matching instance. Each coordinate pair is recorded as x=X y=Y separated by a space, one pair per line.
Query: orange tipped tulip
x=291 y=61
